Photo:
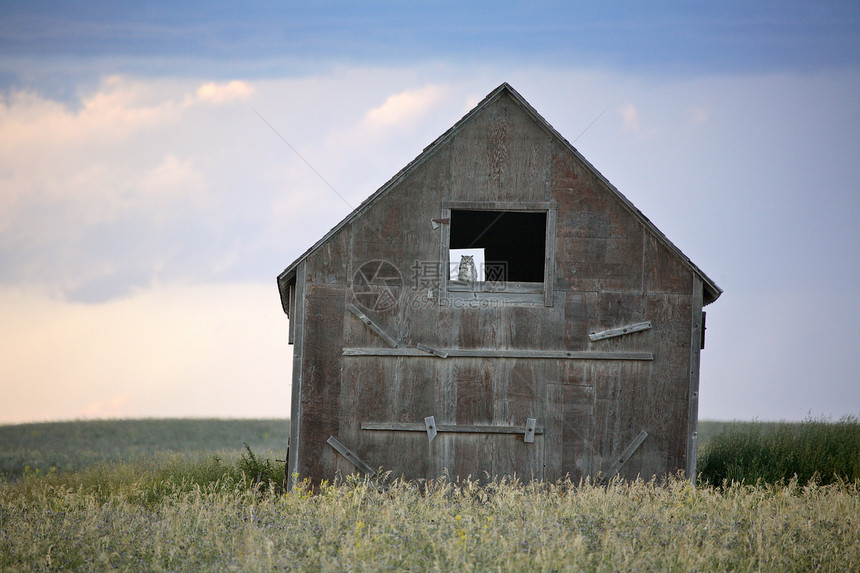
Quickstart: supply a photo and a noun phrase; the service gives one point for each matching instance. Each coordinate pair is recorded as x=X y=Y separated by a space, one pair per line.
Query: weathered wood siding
x=609 y=271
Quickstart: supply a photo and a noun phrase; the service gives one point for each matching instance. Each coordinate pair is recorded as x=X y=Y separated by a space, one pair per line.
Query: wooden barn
x=567 y=345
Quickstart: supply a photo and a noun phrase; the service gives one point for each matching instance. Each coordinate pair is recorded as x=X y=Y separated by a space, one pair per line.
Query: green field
x=69 y=446
x=824 y=450
x=183 y=495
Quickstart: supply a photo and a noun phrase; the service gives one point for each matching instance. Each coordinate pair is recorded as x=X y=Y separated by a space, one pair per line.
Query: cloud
x=108 y=192
x=47 y=148
x=118 y=109
x=630 y=116
x=174 y=179
x=225 y=92
x=405 y=107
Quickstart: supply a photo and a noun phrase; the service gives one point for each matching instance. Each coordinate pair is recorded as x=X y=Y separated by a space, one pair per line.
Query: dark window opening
x=514 y=242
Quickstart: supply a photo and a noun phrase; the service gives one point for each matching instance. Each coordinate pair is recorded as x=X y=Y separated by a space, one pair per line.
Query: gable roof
x=711 y=291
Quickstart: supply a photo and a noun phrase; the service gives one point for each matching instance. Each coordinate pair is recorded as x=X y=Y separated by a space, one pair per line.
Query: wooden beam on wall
x=549 y=257
x=620 y=331
x=291 y=308
x=696 y=324
x=351 y=456
x=297 y=327
x=419 y=427
x=431 y=350
x=625 y=455
x=373 y=326
x=492 y=353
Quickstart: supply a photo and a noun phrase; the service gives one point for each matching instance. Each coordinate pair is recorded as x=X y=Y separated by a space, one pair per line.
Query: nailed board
x=428 y=352
x=440 y=428
x=619 y=331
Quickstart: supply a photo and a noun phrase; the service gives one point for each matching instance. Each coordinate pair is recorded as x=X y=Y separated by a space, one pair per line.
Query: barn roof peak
x=711 y=290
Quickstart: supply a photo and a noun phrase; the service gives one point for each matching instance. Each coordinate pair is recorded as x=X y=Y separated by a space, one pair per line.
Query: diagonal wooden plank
x=373 y=326
x=435 y=351
x=625 y=455
x=351 y=456
x=620 y=331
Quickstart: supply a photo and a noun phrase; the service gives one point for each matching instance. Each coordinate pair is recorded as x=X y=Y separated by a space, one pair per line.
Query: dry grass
x=171 y=523
x=199 y=511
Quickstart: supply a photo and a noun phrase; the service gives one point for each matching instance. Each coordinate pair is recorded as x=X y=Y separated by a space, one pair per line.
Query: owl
x=467 y=273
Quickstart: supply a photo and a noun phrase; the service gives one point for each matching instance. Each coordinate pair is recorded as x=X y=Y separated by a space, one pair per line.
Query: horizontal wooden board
x=482 y=287
x=416 y=427
x=493 y=353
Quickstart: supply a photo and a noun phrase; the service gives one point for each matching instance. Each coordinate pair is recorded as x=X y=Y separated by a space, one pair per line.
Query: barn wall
x=610 y=270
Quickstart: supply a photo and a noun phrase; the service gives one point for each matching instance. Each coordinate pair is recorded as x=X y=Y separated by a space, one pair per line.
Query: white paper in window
x=454 y=258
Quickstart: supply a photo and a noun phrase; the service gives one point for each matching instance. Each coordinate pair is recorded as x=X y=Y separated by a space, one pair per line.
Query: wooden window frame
x=513 y=292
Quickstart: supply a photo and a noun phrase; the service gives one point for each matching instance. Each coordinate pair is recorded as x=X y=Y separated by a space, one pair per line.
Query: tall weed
x=262 y=473
x=825 y=451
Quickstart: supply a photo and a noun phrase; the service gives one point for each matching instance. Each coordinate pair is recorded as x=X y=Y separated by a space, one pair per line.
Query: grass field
x=779 y=451
x=68 y=446
x=200 y=508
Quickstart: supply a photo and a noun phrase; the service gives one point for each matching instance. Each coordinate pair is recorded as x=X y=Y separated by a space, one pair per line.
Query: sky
x=160 y=165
